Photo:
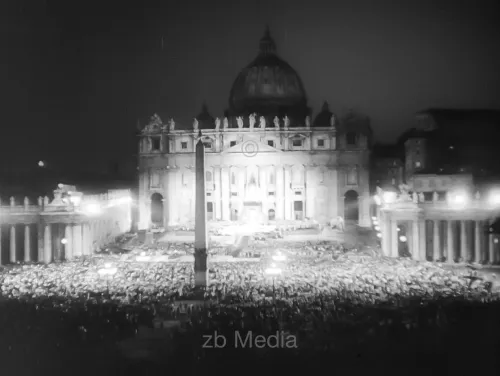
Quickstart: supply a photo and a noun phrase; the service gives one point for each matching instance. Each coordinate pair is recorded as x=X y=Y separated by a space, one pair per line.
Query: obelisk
x=200 y=231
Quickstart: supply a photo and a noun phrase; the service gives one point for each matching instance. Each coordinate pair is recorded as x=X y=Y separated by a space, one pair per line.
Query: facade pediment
x=298 y=135
x=257 y=146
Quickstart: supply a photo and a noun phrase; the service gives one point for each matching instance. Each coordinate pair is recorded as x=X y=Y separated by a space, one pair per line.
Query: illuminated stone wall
x=314 y=166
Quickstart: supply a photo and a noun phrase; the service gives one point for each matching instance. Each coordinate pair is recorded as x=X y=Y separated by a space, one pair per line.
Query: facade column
x=450 y=246
x=241 y=183
x=144 y=203
x=0 y=244
x=337 y=199
x=436 y=254
x=310 y=185
x=263 y=176
x=280 y=192
x=173 y=199
x=415 y=250
x=68 y=247
x=77 y=241
x=463 y=241
x=394 y=239
x=27 y=243
x=217 y=192
x=13 y=255
x=491 y=246
x=225 y=194
x=288 y=198
x=478 y=234
x=47 y=244
x=422 y=239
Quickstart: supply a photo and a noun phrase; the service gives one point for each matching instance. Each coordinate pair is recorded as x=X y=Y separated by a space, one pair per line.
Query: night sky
x=75 y=76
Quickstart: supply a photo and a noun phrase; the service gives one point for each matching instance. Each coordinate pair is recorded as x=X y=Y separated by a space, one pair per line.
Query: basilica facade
x=267 y=159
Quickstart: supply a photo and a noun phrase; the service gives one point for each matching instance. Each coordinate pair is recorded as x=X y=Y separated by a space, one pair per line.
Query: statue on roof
x=276 y=122
x=171 y=125
x=262 y=122
x=286 y=122
x=415 y=198
x=195 y=125
x=333 y=121
x=251 y=120
x=225 y=123
x=217 y=124
x=308 y=122
x=239 y=120
x=154 y=124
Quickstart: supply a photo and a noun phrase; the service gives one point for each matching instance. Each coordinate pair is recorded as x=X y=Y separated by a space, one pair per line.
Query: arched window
x=233 y=178
x=351 y=138
x=271 y=214
x=208 y=175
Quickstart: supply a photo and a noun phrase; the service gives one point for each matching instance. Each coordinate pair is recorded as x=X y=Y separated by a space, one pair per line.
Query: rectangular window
x=270 y=143
x=234 y=194
x=352 y=177
x=351 y=138
x=184 y=145
x=298 y=193
x=155 y=143
x=417 y=164
x=297 y=143
x=232 y=143
x=208 y=145
x=393 y=181
x=321 y=143
x=155 y=180
x=271 y=193
x=209 y=194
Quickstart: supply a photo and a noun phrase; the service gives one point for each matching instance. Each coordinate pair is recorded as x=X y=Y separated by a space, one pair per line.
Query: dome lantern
x=267 y=45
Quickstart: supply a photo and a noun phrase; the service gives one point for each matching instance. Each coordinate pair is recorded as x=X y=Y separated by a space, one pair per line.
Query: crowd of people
x=332 y=300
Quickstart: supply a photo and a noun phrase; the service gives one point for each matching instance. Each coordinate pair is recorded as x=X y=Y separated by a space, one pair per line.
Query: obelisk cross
x=200 y=231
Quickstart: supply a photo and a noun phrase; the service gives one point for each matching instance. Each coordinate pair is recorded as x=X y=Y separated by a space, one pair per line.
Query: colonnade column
x=450 y=246
x=68 y=247
x=77 y=240
x=415 y=239
x=217 y=192
x=13 y=244
x=27 y=243
x=422 y=240
x=491 y=246
x=280 y=192
x=47 y=244
x=394 y=244
x=478 y=241
x=225 y=194
x=288 y=198
x=463 y=241
x=436 y=254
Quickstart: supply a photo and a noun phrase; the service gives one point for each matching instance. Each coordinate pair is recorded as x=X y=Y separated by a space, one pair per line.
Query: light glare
x=389 y=197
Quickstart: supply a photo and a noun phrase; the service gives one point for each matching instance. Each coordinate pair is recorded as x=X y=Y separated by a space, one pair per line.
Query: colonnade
x=449 y=239
x=78 y=241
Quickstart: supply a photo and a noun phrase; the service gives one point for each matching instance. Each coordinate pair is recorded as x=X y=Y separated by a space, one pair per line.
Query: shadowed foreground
x=83 y=339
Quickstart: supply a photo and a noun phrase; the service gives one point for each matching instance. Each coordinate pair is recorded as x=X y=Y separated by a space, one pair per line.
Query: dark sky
x=75 y=76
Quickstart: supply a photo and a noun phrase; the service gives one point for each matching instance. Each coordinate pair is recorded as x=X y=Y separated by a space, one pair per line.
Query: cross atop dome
x=267 y=45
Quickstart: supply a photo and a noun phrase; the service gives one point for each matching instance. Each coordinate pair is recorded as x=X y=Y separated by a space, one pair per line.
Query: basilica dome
x=268 y=86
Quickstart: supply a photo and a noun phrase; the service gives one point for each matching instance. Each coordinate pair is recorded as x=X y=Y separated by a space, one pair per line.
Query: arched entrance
x=351 y=206
x=157 y=209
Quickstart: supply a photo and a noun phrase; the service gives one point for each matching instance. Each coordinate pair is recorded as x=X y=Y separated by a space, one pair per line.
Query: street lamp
x=273 y=272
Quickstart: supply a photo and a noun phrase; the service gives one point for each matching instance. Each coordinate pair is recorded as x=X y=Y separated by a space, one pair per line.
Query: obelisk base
x=201 y=279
